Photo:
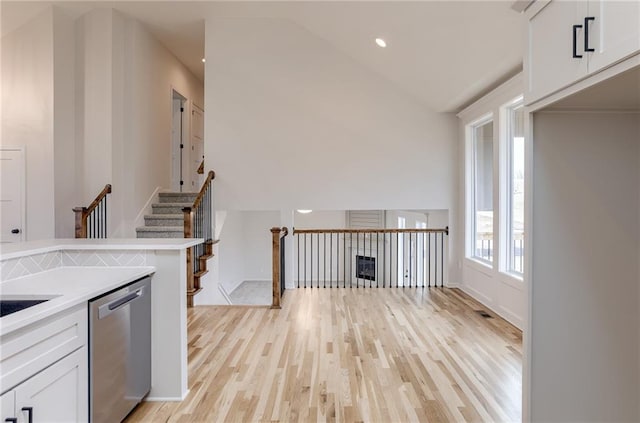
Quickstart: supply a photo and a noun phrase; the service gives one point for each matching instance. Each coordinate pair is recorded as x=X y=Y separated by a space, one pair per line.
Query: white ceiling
x=443 y=53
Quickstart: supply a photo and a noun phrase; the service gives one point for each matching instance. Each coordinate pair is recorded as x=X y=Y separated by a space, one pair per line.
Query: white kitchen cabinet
x=615 y=31
x=570 y=40
x=57 y=394
x=7 y=406
x=45 y=366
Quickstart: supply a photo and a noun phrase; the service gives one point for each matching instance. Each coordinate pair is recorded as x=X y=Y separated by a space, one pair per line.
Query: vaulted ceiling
x=443 y=53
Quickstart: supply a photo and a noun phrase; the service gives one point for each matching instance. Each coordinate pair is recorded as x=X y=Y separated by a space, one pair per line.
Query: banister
x=277 y=263
x=197 y=219
x=360 y=231
x=210 y=176
x=377 y=257
x=103 y=193
x=82 y=214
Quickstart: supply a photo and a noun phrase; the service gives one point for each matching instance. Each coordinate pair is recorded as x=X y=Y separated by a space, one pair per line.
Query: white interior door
x=12 y=195
x=179 y=136
x=197 y=147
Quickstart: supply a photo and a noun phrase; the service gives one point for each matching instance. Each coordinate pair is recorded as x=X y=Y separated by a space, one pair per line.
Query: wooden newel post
x=275 y=251
x=188 y=219
x=81 y=221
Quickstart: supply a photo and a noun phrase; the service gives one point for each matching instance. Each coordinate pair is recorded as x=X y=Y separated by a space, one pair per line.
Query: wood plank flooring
x=349 y=355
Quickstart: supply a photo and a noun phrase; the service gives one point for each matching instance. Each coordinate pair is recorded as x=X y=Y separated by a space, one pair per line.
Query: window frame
x=471 y=191
x=506 y=186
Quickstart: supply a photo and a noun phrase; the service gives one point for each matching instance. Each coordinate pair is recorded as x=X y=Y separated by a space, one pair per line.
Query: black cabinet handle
x=15 y=231
x=586 y=33
x=11 y=420
x=29 y=411
x=575 y=41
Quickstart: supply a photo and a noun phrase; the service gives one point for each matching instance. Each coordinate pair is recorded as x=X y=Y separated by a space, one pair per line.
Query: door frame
x=23 y=187
x=193 y=175
x=186 y=142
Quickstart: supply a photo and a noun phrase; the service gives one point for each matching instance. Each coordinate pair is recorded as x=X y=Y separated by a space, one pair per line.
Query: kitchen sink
x=13 y=304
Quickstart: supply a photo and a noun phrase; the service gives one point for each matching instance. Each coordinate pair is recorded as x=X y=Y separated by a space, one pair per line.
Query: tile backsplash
x=105 y=258
x=24 y=266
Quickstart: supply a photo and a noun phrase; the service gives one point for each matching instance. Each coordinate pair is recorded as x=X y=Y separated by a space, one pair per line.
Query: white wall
x=27 y=115
x=64 y=151
x=124 y=91
x=320 y=219
x=94 y=99
x=585 y=278
x=292 y=122
x=245 y=247
x=501 y=292
x=152 y=72
x=91 y=102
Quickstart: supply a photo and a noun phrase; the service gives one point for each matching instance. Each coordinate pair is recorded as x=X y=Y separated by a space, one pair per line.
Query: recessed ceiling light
x=304 y=211
x=381 y=42
x=203 y=60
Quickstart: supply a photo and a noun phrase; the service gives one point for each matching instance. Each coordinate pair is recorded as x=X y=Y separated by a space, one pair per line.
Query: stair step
x=200 y=273
x=177 y=197
x=169 y=208
x=164 y=220
x=160 y=232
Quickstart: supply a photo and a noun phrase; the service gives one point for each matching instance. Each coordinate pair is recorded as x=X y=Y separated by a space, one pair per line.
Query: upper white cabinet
x=615 y=31
x=569 y=40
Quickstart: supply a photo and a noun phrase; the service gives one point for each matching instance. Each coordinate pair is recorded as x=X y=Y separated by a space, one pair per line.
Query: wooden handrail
x=276 y=236
x=360 y=231
x=82 y=213
x=210 y=176
x=103 y=193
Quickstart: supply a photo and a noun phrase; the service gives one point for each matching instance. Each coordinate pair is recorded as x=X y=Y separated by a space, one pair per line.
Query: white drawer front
x=33 y=348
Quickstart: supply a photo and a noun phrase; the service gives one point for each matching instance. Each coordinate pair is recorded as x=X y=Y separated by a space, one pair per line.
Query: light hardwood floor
x=347 y=355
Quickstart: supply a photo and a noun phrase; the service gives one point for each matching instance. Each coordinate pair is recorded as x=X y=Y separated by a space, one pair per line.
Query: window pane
x=483 y=191
x=516 y=188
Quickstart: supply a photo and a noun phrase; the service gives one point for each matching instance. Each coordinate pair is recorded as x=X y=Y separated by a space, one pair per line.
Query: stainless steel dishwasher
x=119 y=351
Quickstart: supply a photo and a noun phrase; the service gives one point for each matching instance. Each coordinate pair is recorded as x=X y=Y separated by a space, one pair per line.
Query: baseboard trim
x=225 y=294
x=166 y=399
x=500 y=311
x=146 y=209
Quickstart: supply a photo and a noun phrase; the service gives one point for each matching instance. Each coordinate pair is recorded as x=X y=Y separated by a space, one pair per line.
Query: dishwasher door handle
x=106 y=309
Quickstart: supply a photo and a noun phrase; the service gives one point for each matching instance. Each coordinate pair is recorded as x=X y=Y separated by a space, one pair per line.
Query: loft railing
x=377 y=258
x=198 y=223
x=278 y=236
x=91 y=222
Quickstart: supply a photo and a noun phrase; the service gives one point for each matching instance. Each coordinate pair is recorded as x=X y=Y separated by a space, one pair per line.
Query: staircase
x=167 y=221
x=167 y=218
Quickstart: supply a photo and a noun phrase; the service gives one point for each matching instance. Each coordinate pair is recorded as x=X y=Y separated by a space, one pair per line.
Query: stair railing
x=374 y=258
x=91 y=222
x=198 y=223
x=278 y=264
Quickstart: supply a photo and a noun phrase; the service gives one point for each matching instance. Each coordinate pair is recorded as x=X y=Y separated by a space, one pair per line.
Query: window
x=482 y=190
x=514 y=117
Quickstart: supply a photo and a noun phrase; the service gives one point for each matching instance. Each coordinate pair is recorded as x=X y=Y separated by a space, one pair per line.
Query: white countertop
x=22 y=249
x=69 y=285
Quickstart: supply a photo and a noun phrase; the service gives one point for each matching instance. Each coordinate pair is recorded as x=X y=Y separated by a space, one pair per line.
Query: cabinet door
x=7 y=405
x=614 y=33
x=58 y=393
x=550 y=63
